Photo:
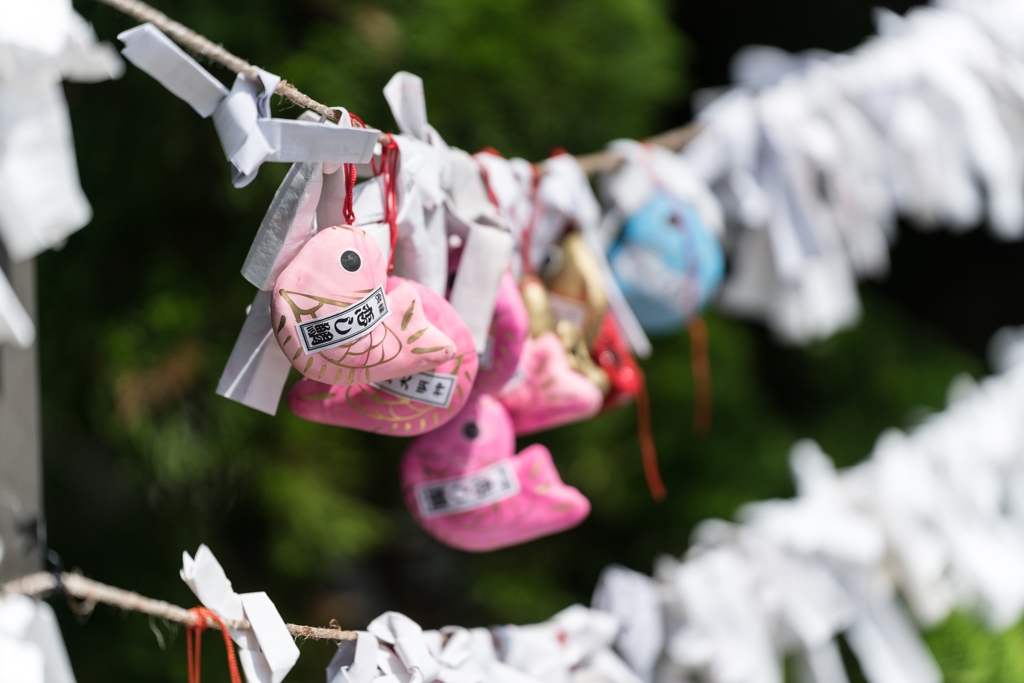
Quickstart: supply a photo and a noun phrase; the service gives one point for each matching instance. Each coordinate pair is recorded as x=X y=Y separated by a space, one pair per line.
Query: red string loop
x=487 y=180
x=194 y=644
x=527 y=236
x=389 y=171
x=648 y=449
x=350 y=179
x=350 y=185
x=700 y=364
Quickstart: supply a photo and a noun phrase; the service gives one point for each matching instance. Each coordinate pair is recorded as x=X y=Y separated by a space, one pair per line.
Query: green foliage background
x=139 y=312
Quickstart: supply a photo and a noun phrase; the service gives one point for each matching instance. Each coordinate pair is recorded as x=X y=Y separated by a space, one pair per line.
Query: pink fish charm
x=407 y=405
x=509 y=329
x=546 y=392
x=466 y=487
x=341 y=321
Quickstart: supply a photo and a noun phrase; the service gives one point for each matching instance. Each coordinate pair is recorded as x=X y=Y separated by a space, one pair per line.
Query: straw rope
x=598 y=162
x=78 y=586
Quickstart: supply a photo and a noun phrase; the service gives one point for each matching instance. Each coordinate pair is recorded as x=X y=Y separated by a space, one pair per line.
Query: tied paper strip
x=485 y=257
x=567 y=198
x=257 y=369
x=266 y=651
x=424 y=176
x=41 y=200
x=16 y=326
x=248 y=135
x=31 y=647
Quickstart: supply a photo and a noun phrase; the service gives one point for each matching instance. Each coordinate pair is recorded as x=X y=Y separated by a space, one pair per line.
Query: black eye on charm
x=471 y=430
x=350 y=261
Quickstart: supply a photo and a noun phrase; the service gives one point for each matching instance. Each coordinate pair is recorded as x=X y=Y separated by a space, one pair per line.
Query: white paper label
x=426 y=387
x=352 y=323
x=491 y=484
x=565 y=308
x=487 y=357
x=518 y=377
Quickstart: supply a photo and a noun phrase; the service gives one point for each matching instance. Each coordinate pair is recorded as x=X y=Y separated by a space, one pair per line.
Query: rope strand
x=598 y=162
x=78 y=586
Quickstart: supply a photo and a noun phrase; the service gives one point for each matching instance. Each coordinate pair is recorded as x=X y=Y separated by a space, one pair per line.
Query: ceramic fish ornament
x=341 y=321
x=465 y=485
x=408 y=404
x=667 y=263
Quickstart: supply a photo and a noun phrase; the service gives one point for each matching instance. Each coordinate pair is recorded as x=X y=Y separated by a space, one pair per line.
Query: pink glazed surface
x=315 y=285
x=480 y=436
x=370 y=409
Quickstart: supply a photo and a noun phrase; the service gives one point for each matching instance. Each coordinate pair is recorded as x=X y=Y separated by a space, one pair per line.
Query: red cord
x=700 y=363
x=194 y=644
x=350 y=179
x=527 y=236
x=389 y=170
x=487 y=182
x=348 y=213
x=648 y=449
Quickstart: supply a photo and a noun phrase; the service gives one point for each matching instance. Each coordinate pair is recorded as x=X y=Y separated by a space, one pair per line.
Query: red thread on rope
x=487 y=181
x=700 y=364
x=648 y=449
x=389 y=171
x=350 y=179
x=194 y=644
x=525 y=239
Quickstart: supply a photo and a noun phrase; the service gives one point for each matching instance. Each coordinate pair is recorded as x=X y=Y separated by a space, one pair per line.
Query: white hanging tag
x=286 y=227
x=275 y=642
x=236 y=121
x=485 y=257
x=248 y=135
x=330 y=210
x=206 y=578
x=407 y=638
x=635 y=600
x=41 y=200
x=257 y=369
x=567 y=198
x=468 y=194
x=84 y=59
x=44 y=632
x=21 y=661
x=404 y=94
x=354 y=662
x=293 y=141
x=148 y=48
x=16 y=326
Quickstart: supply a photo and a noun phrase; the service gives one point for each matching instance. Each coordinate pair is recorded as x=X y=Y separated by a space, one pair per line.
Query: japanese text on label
x=352 y=323
x=425 y=387
x=483 y=487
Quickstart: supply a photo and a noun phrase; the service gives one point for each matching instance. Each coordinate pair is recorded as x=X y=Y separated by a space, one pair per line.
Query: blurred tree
x=140 y=310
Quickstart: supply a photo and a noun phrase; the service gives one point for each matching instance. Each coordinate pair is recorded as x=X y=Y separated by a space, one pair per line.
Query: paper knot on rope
x=266 y=649
x=248 y=134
